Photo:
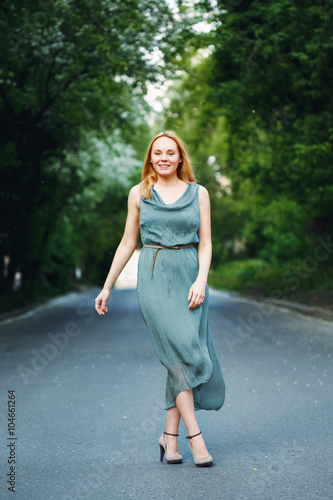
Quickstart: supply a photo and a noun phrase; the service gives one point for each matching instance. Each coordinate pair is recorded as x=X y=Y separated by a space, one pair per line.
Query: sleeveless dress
x=181 y=337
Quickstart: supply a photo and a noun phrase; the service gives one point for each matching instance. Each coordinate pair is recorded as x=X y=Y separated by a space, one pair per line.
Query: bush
x=236 y=275
x=259 y=277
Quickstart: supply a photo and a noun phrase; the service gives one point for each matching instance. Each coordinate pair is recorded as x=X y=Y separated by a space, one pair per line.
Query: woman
x=172 y=212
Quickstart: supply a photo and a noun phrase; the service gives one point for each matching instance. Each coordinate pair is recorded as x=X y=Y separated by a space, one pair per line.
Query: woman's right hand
x=100 y=302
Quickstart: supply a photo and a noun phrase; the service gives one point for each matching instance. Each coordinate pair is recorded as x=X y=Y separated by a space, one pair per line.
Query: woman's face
x=165 y=156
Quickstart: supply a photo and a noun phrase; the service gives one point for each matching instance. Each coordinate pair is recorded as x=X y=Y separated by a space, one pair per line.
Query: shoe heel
x=170 y=458
x=162 y=451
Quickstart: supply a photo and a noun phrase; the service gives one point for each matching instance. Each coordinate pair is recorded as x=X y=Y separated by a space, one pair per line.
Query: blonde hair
x=148 y=174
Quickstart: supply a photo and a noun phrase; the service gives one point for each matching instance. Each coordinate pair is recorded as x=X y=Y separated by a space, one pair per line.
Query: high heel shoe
x=200 y=462
x=170 y=458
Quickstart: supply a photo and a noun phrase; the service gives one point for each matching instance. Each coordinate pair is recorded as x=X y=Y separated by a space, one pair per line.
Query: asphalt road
x=89 y=399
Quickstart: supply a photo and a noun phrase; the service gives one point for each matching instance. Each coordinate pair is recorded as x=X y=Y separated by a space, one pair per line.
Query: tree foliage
x=260 y=103
x=68 y=68
x=252 y=100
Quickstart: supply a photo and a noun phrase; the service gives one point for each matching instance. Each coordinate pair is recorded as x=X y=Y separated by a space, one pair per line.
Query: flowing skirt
x=181 y=337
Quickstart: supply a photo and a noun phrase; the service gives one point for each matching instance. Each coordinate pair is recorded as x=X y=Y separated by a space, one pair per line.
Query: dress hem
x=186 y=388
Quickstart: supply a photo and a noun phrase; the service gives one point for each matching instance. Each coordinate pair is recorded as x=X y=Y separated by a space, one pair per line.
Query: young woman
x=172 y=212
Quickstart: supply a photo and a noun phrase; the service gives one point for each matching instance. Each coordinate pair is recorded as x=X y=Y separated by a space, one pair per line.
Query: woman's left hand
x=196 y=294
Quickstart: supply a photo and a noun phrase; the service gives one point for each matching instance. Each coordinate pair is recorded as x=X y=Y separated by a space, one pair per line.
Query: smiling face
x=165 y=156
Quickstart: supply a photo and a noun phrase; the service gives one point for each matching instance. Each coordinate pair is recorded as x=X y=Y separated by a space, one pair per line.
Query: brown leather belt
x=159 y=247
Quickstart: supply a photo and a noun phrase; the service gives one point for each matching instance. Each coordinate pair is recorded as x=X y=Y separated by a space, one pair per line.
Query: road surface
x=89 y=405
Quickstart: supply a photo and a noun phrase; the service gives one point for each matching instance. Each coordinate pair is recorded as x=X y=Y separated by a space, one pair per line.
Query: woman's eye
x=171 y=154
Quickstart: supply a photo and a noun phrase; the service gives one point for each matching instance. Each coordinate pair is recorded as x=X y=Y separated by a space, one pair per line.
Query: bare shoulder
x=203 y=195
x=134 y=195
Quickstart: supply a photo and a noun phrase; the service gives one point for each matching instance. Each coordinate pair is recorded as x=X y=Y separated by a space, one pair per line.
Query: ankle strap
x=194 y=435
x=168 y=433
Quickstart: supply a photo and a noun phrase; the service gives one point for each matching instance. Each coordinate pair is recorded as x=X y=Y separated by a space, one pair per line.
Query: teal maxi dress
x=181 y=337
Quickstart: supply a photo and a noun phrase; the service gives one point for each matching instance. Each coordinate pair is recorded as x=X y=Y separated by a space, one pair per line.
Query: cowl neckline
x=157 y=198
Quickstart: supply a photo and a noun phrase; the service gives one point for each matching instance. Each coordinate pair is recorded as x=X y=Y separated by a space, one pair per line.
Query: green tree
x=67 y=67
x=261 y=104
x=270 y=75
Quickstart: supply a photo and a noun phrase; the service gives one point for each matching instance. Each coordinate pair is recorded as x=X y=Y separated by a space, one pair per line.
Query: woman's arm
x=124 y=251
x=197 y=291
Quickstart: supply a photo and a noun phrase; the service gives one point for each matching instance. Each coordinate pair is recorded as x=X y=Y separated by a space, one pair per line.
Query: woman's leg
x=171 y=426
x=185 y=405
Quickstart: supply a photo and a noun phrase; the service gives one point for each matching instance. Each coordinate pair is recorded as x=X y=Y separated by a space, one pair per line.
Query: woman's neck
x=167 y=182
